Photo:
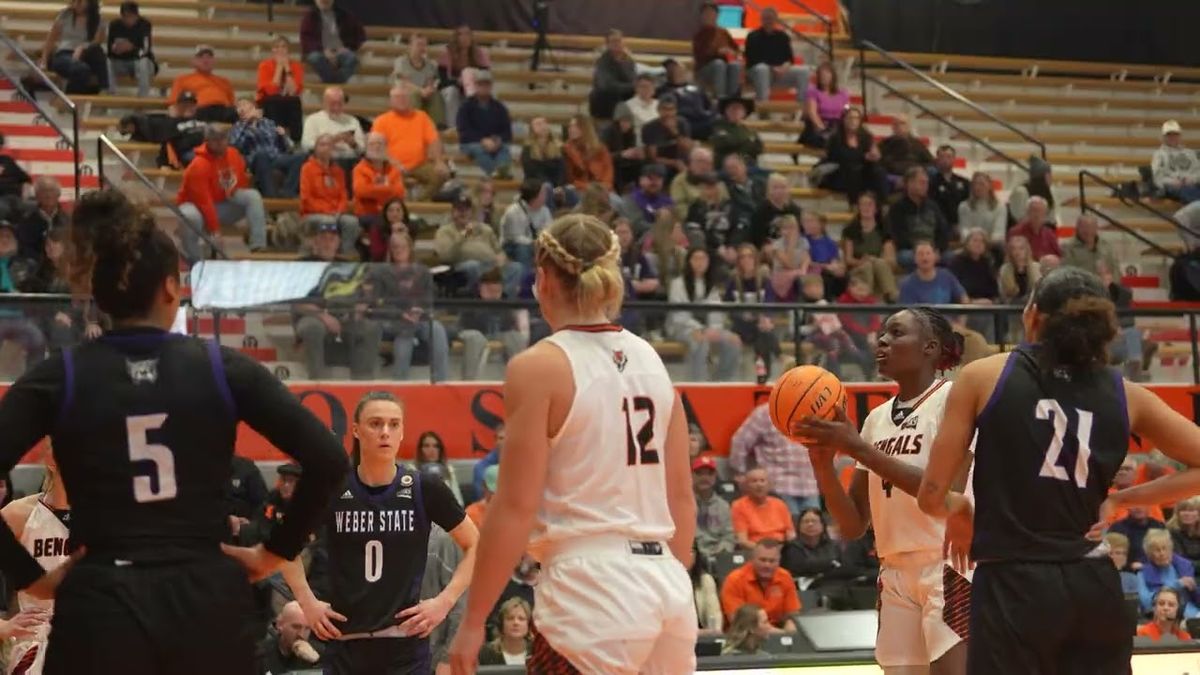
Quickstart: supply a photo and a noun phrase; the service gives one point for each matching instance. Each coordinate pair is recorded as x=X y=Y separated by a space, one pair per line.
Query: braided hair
x=583 y=254
x=936 y=325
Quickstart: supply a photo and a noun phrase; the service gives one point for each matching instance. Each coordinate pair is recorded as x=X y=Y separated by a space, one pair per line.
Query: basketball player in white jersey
x=595 y=468
x=39 y=522
x=923 y=603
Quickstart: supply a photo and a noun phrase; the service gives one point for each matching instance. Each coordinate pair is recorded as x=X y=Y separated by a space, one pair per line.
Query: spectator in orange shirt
x=323 y=195
x=1127 y=476
x=588 y=161
x=1166 y=618
x=215 y=192
x=757 y=515
x=214 y=94
x=477 y=510
x=763 y=582
x=280 y=83
x=413 y=141
x=377 y=180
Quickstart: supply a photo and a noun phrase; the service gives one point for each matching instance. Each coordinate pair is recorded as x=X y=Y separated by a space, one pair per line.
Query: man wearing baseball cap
x=214 y=94
x=714 y=524
x=216 y=191
x=472 y=248
x=1176 y=169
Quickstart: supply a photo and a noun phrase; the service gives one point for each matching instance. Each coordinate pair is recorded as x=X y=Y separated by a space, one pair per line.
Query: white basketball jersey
x=606 y=473
x=900 y=526
x=45 y=537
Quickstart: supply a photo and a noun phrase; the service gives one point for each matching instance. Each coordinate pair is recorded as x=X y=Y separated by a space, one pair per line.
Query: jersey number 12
x=161 y=486
x=638 y=446
x=1049 y=409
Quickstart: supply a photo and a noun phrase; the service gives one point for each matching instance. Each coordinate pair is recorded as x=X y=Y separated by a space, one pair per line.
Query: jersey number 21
x=1049 y=409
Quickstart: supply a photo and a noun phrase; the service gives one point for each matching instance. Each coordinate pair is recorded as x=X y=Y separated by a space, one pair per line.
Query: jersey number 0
x=146 y=488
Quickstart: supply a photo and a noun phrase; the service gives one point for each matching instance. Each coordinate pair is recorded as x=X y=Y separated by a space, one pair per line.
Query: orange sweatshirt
x=209 y=89
x=322 y=188
x=209 y=180
x=266 y=78
x=373 y=188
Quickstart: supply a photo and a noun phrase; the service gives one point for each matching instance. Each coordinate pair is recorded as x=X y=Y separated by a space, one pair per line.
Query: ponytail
x=1077 y=336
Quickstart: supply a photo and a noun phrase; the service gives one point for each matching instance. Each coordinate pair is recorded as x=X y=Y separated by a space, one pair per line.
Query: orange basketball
x=805 y=391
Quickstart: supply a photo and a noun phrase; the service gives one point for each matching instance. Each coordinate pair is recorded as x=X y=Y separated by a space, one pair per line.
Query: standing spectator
x=948 y=189
x=686 y=187
x=1167 y=617
x=1038 y=229
x=214 y=94
x=523 y=221
x=1163 y=568
x=44 y=214
x=732 y=135
x=1038 y=185
x=513 y=646
x=130 y=52
x=215 y=191
x=930 y=284
x=329 y=38
x=903 y=150
x=1185 y=528
x=762 y=582
x=981 y=210
x=784 y=460
x=770 y=60
x=332 y=118
x=869 y=251
x=405 y=289
x=13 y=180
x=714 y=523
x=778 y=203
x=823 y=105
x=917 y=218
x=1087 y=250
x=479 y=327
x=1176 y=169
x=1126 y=349
x=746 y=194
x=851 y=149
x=1020 y=273
x=641 y=206
x=1135 y=526
x=15 y=327
x=748 y=630
x=458 y=67
x=668 y=139
x=72 y=48
x=376 y=180
x=485 y=130
x=413 y=141
x=416 y=68
x=622 y=143
x=702 y=332
x=279 y=85
x=812 y=553
x=266 y=147
x=714 y=55
x=612 y=77
x=694 y=104
x=472 y=248
x=542 y=154
x=287 y=647
x=323 y=195
x=587 y=160
x=643 y=106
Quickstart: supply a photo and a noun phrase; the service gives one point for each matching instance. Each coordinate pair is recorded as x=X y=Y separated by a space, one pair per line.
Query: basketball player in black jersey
x=378 y=540
x=1053 y=427
x=143 y=424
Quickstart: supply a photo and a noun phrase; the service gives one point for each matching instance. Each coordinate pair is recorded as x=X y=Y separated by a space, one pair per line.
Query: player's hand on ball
x=45 y=587
x=464 y=649
x=960 y=530
x=320 y=616
x=838 y=433
x=423 y=617
x=258 y=562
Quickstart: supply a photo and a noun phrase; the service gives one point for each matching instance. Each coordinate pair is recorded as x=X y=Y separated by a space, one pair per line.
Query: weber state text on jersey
x=904 y=430
x=1050 y=442
x=378 y=541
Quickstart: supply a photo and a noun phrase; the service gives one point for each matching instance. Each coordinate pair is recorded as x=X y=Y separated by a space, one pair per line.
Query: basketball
x=804 y=391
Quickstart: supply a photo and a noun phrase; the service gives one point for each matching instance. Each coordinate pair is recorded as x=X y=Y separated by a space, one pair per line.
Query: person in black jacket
x=852 y=150
x=694 y=105
x=778 y=203
x=1127 y=347
x=130 y=51
x=915 y=218
x=812 y=553
x=44 y=214
x=947 y=188
x=246 y=495
x=770 y=61
x=186 y=135
x=13 y=180
x=479 y=326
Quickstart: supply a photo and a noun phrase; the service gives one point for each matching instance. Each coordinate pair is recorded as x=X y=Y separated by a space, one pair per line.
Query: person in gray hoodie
x=1176 y=169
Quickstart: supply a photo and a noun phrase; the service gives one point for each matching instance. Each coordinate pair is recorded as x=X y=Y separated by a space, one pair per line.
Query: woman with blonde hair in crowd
x=511 y=647
x=458 y=65
x=1185 y=529
x=542 y=154
x=1020 y=273
x=747 y=631
x=667 y=243
x=983 y=210
x=588 y=161
x=790 y=259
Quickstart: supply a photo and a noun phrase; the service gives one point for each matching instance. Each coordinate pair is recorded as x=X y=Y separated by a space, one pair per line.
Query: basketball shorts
x=27 y=658
x=923 y=609
x=378 y=656
x=608 y=605
x=1037 y=618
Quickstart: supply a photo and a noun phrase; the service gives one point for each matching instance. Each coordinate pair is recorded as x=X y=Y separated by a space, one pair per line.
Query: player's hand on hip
x=1108 y=509
x=46 y=586
x=960 y=530
x=420 y=619
x=464 y=649
x=320 y=616
x=258 y=562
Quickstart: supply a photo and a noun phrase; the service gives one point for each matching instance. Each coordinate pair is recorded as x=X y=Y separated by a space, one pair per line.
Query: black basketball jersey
x=378 y=540
x=1049 y=443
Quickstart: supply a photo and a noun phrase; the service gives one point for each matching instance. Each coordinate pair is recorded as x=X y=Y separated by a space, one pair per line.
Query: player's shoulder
x=545 y=359
x=16 y=512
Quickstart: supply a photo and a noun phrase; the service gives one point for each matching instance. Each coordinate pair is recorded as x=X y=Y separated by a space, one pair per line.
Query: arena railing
x=69 y=139
x=1084 y=206
x=828 y=48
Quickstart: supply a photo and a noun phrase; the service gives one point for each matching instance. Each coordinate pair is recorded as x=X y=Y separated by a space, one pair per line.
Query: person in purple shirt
x=825 y=253
x=643 y=203
x=823 y=105
x=930 y=284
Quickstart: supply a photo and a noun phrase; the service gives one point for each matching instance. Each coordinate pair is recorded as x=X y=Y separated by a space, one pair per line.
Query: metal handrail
x=827 y=48
x=1137 y=203
x=73 y=138
x=103 y=143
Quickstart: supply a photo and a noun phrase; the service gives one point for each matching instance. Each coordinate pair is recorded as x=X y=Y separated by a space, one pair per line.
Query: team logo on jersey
x=909 y=423
x=142 y=372
x=406 y=480
x=347 y=495
x=620 y=360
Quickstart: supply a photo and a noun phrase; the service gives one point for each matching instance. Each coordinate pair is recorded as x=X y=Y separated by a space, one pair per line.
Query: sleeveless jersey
x=900 y=526
x=378 y=539
x=605 y=473
x=45 y=537
x=1050 y=442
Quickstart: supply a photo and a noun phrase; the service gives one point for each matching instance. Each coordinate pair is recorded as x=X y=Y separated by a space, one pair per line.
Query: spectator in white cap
x=1176 y=169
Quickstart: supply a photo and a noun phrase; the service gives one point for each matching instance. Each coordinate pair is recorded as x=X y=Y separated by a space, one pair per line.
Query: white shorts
x=20 y=652
x=607 y=609
x=924 y=609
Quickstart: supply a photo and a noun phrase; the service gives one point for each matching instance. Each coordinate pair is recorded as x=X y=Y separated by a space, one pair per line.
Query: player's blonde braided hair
x=573 y=264
x=584 y=254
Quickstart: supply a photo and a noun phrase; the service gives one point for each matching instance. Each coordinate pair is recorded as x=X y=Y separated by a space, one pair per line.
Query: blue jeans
x=488 y=162
x=341 y=69
x=246 y=204
x=725 y=78
x=511 y=272
x=762 y=77
x=1127 y=346
x=433 y=334
x=142 y=69
x=263 y=166
x=1184 y=193
x=519 y=253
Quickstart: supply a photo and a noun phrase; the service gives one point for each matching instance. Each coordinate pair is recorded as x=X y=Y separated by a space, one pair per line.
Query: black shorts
x=187 y=618
x=378 y=656
x=1047 y=618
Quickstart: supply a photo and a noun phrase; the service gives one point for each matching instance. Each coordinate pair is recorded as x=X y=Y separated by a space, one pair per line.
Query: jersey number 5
x=639 y=450
x=1049 y=409
x=161 y=486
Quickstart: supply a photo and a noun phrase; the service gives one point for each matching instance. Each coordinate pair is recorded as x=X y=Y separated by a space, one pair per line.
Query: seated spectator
x=1087 y=250
x=778 y=203
x=1184 y=526
x=694 y=104
x=1019 y=274
x=14 y=326
x=789 y=257
x=981 y=210
x=486 y=209
x=668 y=139
x=762 y=582
x=714 y=523
x=854 y=158
x=215 y=192
x=1176 y=169
x=705 y=594
x=758 y=515
x=643 y=106
x=1126 y=477
x=596 y=201
x=642 y=205
x=1163 y=568
x=488 y=460
x=949 y=189
x=472 y=248
x=1126 y=349
x=903 y=150
x=214 y=94
x=916 y=218
x=1038 y=185
x=405 y=289
x=812 y=553
x=514 y=644
x=622 y=143
x=64 y=325
x=930 y=284
x=413 y=141
x=377 y=180
x=1118 y=552
x=642 y=281
x=824 y=253
x=770 y=60
x=323 y=196
x=750 y=284
x=275 y=508
x=521 y=585
x=869 y=251
x=524 y=220
x=279 y=85
x=394 y=219
x=45 y=213
x=714 y=55
x=329 y=38
x=832 y=344
x=587 y=160
x=1049 y=263
x=686 y=187
x=72 y=48
x=287 y=647
x=431 y=450
x=976 y=271
x=458 y=66
x=1038 y=229
x=746 y=193
x=612 y=77
x=861 y=328
x=416 y=68
x=748 y=629
x=477 y=510
x=129 y=49
x=478 y=327
x=484 y=129
x=824 y=103
x=1135 y=526
x=1167 y=617
x=708 y=221
x=13 y=180
x=542 y=154
x=666 y=246
x=333 y=119
x=730 y=133
x=267 y=149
